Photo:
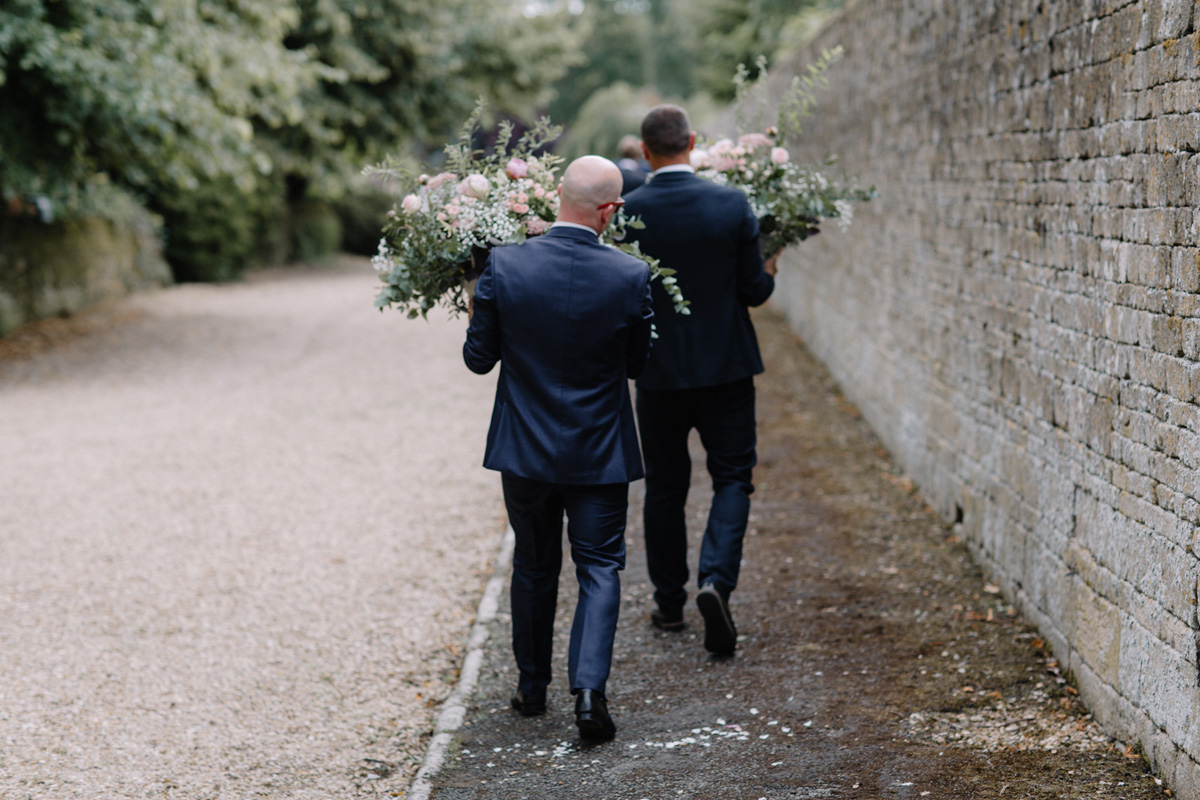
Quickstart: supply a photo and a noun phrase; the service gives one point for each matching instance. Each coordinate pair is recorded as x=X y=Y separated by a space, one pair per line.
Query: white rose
x=475 y=186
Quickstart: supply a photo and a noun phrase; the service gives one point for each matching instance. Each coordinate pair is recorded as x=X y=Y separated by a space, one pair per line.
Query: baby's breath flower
x=382 y=260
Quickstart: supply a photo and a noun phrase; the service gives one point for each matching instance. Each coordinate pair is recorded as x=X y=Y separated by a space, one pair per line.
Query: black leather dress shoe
x=720 y=637
x=533 y=705
x=667 y=623
x=591 y=716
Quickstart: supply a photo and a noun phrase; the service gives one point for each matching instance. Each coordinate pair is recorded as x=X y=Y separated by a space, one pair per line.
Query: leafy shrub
x=315 y=230
x=215 y=231
x=617 y=110
x=363 y=211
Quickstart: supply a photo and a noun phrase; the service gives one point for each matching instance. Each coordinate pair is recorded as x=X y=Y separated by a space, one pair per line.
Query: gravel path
x=243 y=531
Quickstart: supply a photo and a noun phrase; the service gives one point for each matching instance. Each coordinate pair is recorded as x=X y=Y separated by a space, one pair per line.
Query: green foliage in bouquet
x=616 y=235
x=789 y=198
x=437 y=237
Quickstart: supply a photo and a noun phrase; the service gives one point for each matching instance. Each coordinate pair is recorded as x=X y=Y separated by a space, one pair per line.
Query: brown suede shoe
x=664 y=623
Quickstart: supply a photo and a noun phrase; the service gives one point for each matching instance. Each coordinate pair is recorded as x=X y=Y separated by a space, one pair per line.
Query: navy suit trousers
x=596 y=531
x=725 y=419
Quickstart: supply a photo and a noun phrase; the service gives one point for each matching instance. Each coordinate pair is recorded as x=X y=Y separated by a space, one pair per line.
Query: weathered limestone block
x=63 y=267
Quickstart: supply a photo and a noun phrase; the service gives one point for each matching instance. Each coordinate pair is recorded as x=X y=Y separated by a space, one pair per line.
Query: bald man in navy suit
x=700 y=375
x=568 y=318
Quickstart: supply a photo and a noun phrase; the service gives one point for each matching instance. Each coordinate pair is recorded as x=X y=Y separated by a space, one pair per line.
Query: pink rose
x=439 y=179
x=720 y=147
x=451 y=210
x=516 y=168
x=698 y=158
x=411 y=204
x=753 y=141
x=519 y=208
x=722 y=162
x=536 y=226
x=779 y=155
x=475 y=186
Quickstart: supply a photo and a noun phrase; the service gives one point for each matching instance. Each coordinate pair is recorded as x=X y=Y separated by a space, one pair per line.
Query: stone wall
x=1017 y=314
x=63 y=267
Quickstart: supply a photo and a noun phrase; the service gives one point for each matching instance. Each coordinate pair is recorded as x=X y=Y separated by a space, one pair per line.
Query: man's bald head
x=588 y=182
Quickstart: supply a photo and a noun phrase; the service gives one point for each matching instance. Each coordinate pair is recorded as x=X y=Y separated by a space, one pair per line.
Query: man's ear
x=691 y=141
x=645 y=150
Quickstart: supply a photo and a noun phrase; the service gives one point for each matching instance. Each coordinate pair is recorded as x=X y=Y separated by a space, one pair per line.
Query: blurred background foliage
x=242 y=126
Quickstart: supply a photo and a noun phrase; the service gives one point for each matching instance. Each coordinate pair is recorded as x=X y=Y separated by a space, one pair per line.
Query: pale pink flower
x=516 y=168
x=439 y=179
x=519 y=208
x=536 y=226
x=720 y=147
x=452 y=210
x=753 y=141
x=779 y=155
x=722 y=162
x=698 y=158
x=539 y=192
x=475 y=186
x=411 y=204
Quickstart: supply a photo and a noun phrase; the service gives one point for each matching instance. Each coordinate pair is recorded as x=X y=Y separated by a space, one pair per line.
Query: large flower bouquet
x=437 y=237
x=789 y=198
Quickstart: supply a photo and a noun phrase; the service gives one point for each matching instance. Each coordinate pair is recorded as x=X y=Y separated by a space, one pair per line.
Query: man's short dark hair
x=666 y=130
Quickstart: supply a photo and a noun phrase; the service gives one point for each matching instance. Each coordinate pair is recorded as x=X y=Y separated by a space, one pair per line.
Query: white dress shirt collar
x=561 y=224
x=674 y=168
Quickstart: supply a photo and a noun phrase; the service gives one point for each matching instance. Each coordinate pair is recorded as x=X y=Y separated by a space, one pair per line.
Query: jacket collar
x=669 y=168
x=672 y=176
x=573 y=232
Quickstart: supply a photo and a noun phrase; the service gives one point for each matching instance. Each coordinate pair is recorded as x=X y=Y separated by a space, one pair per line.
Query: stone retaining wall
x=62 y=267
x=1017 y=314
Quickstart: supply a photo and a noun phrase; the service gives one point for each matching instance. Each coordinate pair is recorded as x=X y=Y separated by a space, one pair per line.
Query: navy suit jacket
x=709 y=235
x=569 y=318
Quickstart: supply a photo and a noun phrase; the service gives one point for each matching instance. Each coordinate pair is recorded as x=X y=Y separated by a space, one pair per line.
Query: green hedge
x=314 y=230
x=363 y=210
x=215 y=231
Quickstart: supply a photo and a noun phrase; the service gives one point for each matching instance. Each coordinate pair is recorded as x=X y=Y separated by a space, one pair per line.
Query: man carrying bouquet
x=569 y=317
x=700 y=374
